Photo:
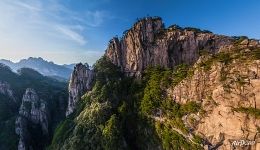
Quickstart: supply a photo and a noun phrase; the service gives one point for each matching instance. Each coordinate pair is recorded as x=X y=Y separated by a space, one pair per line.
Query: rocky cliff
x=33 y=113
x=166 y=88
x=149 y=43
x=229 y=93
x=79 y=84
x=224 y=78
x=5 y=89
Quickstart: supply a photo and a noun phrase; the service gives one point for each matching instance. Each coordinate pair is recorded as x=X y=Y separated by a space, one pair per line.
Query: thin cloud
x=54 y=18
x=33 y=26
x=71 y=34
x=31 y=7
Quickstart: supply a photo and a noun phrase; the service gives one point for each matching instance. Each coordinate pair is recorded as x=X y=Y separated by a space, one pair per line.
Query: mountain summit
x=149 y=43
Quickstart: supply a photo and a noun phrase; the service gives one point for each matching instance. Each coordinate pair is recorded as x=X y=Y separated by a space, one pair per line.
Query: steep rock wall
x=148 y=43
x=33 y=111
x=80 y=83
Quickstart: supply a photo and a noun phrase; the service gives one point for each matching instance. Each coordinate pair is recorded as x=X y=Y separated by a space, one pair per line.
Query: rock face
x=5 y=89
x=148 y=43
x=222 y=123
x=32 y=112
x=225 y=100
x=80 y=83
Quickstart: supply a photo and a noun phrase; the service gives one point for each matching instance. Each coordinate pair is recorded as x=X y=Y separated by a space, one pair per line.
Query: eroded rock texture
x=80 y=83
x=148 y=43
x=223 y=91
x=5 y=89
x=32 y=120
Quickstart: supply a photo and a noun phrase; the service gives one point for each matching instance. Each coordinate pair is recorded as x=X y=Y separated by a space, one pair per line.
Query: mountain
x=149 y=43
x=155 y=88
x=166 y=88
x=42 y=66
x=31 y=106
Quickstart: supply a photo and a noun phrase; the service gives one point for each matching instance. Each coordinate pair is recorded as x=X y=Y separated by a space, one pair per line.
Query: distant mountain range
x=47 y=68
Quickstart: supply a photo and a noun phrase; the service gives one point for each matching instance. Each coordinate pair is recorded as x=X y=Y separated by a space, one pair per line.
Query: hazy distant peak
x=2 y=65
x=40 y=65
x=6 y=60
x=39 y=59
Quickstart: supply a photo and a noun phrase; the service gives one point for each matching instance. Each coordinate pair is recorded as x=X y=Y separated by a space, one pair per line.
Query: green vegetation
x=155 y=100
x=160 y=33
x=96 y=124
x=223 y=74
x=223 y=57
x=256 y=54
x=239 y=39
x=175 y=112
x=126 y=113
x=175 y=26
x=206 y=65
x=173 y=140
x=157 y=80
x=7 y=108
x=138 y=20
x=197 y=139
x=204 y=52
x=248 y=110
x=62 y=131
x=8 y=137
x=180 y=72
x=197 y=30
x=152 y=92
x=112 y=134
x=117 y=113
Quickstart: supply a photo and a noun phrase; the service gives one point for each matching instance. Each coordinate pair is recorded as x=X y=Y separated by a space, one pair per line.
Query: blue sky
x=70 y=31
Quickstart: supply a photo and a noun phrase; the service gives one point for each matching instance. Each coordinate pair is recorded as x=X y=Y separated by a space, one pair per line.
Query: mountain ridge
x=149 y=43
x=47 y=68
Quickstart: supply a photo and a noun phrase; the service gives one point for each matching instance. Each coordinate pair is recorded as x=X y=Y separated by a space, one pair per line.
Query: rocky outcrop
x=221 y=122
x=32 y=112
x=80 y=83
x=148 y=43
x=229 y=94
x=5 y=89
